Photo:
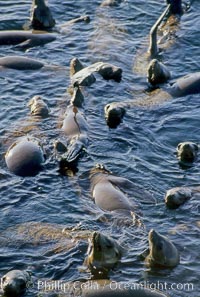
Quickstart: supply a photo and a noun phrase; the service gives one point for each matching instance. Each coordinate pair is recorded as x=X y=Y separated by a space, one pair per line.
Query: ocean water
x=142 y=148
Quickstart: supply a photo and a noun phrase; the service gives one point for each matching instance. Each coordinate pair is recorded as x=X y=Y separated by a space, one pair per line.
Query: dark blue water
x=142 y=148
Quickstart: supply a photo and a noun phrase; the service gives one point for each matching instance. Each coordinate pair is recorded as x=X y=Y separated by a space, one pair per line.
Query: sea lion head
x=41 y=17
x=103 y=252
x=157 y=72
x=75 y=66
x=187 y=152
x=15 y=282
x=99 y=168
x=162 y=251
x=177 y=196
x=114 y=114
x=175 y=6
x=38 y=107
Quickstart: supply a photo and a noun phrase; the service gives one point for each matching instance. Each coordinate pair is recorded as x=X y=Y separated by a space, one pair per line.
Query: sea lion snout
x=15 y=282
x=114 y=114
x=153 y=235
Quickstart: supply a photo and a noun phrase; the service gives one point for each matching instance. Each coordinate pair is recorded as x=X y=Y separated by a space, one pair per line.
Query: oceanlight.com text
x=63 y=286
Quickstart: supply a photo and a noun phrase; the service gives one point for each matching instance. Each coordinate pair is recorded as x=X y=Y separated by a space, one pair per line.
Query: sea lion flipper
x=137 y=191
x=26 y=44
x=74 y=151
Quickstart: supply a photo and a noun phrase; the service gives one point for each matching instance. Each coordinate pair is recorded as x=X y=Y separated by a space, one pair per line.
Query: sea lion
x=114 y=114
x=75 y=128
x=175 y=6
x=75 y=66
x=162 y=252
x=170 y=19
x=41 y=16
x=177 y=196
x=25 y=156
x=109 y=191
x=103 y=253
x=15 y=282
x=157 y=73
x=38 y=107
x=20 y=63
x=85 y=77
x=187 y=152
x=186 y=85
x=77 y=98
x=25 y=39
x=25 y=63
x=46 y=238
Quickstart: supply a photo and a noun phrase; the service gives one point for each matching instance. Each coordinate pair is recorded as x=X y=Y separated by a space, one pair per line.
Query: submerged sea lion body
x=20 y=63
x=15 y=282
x=109 y=191
x=162 y=251
x=186 y=85
x=25 y=156
x=25 y=39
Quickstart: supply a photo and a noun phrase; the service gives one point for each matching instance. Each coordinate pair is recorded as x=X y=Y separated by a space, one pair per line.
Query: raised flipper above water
x=153 y=49
x=167 y=25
